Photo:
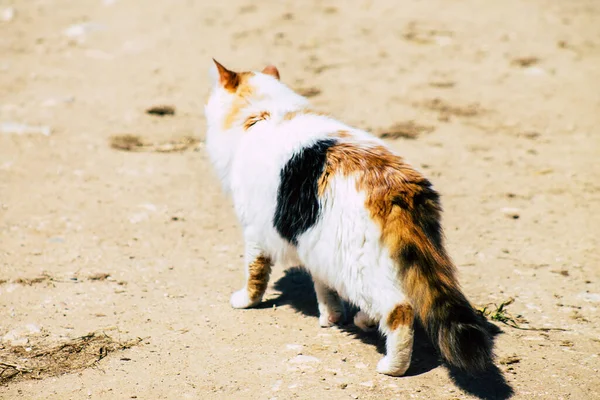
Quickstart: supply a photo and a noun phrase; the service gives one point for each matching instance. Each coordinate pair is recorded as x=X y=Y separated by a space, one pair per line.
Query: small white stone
x=8 y=14
x=149 y=207
x=10 y=336
x=302 y=359
x=33 y=328
x=276 y=386
x=536 y=71
x=361 y=365
x=294 y=347
x=591 y=297
x=138 y=217
x=22 y=129
x=79 y=32
x=54 y=101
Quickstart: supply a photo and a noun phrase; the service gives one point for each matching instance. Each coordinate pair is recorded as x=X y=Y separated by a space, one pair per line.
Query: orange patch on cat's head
x=237 y=86
x=232 y=81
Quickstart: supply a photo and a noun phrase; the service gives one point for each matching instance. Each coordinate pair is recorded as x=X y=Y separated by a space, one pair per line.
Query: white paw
x=364 y=322
x=328 y=319
x=240 y=299
x=387 y=367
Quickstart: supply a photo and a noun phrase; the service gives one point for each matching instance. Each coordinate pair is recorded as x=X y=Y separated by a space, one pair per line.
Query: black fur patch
x=298 y=193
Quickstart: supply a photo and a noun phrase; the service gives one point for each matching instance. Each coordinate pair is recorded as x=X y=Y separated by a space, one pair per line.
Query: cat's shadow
x=297 y=291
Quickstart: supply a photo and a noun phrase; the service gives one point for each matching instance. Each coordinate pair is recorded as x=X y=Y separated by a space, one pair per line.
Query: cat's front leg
x=331 y=308
x=258 y=269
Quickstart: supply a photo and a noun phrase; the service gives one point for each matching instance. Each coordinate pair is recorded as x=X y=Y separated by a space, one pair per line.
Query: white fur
x=343 y=250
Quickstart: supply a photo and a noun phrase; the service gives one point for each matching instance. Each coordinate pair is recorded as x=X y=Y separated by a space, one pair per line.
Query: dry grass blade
x=500 y=314
x=135 y=143
x=9 y=371
x=31 y=281
x=42 y=360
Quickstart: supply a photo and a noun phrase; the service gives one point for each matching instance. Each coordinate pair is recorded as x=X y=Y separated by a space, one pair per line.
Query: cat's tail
x=429 y=280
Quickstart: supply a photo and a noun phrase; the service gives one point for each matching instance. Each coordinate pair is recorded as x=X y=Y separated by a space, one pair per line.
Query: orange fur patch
x=228 y=79
x=272 y=70
x=253 y=119
x=401 y=315
x=243 y=91
x=258 y=277
x=405 y=206
x=341 y=135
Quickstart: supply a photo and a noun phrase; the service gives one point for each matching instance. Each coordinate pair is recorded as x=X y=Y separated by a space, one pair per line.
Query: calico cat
x=309 y=190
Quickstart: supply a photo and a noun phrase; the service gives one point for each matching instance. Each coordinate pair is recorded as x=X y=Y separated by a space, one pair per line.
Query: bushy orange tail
x=429 y=280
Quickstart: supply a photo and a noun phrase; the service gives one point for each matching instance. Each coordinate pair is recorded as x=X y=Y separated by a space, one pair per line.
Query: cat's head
x=235 y=96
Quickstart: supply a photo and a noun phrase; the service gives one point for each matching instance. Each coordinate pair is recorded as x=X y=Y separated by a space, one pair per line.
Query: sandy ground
x=507 y=94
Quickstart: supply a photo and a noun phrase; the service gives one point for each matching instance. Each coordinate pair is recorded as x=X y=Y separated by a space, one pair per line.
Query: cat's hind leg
x=258 y=269
x=398 y=329
x=331 y=307
x=364 y=322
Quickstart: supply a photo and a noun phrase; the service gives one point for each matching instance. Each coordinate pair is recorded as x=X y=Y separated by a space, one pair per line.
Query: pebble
x=8 y=14
x=18 y=336
x=98 y=54
x=302 y=359
x=294 y=347
x=19 y=341
x=361 y=366
x=33 y=328
x=276 y=386
x=511 y=212
x=79 y=32
x=23 y=129
x=54 y=101
x=138 y=217
x=591 y=297
x=535 y=71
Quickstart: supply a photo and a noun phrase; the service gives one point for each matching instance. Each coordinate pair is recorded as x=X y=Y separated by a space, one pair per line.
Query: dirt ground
x=498 y=102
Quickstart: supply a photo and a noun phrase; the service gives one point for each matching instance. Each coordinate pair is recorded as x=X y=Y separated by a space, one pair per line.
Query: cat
x=309 y=190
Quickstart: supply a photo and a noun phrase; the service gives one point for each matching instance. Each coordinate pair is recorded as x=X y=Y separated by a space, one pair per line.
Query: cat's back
x=306 y=145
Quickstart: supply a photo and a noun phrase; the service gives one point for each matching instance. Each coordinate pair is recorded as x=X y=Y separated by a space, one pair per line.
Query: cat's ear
x=271 y=70
x=228 y=79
